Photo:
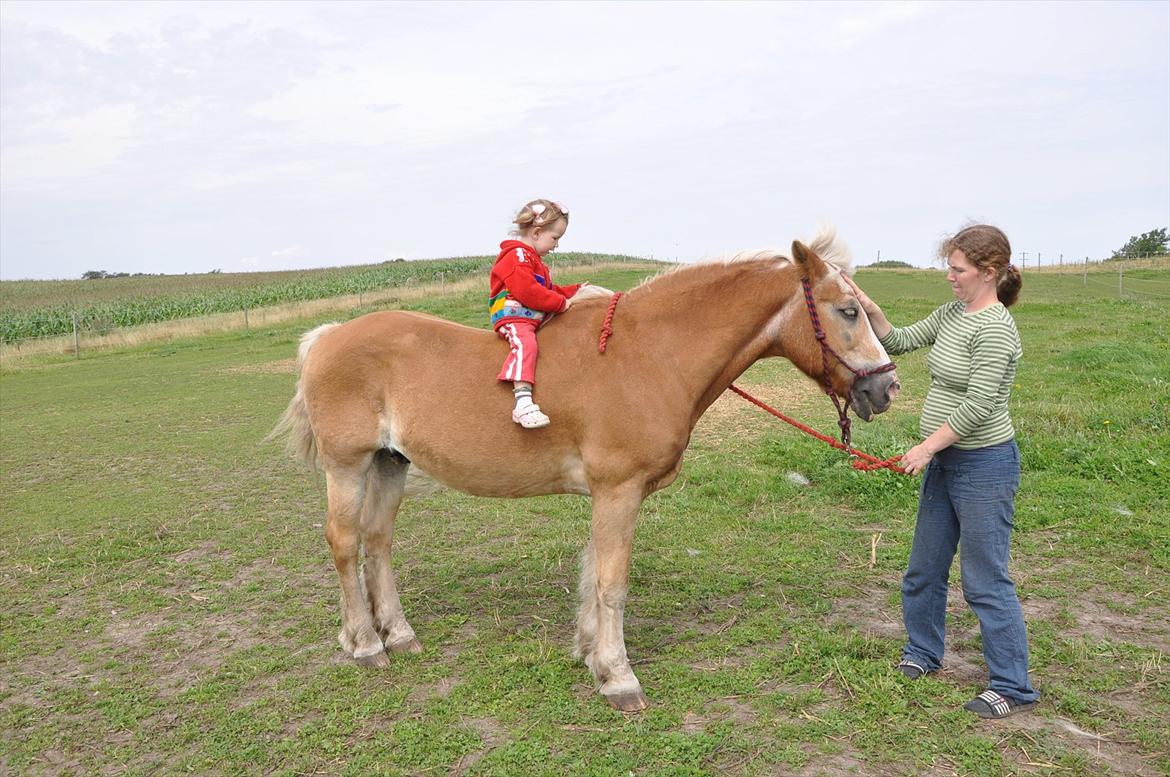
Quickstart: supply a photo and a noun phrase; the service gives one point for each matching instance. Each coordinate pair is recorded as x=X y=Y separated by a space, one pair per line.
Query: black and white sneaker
x=911 y=670
x=993 y=705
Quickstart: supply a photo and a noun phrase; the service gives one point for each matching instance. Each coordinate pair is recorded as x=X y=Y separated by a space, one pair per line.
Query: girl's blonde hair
x=540 y=213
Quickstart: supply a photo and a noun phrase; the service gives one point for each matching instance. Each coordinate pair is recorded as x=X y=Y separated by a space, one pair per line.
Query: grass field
x=170 y=604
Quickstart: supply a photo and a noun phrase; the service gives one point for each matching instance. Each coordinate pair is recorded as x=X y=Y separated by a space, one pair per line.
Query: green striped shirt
x=972 y=366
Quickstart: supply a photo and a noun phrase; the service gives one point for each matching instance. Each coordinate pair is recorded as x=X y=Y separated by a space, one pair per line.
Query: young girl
x=523 y=297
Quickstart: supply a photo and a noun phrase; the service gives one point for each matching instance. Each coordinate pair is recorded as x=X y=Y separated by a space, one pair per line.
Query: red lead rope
x=861 y=461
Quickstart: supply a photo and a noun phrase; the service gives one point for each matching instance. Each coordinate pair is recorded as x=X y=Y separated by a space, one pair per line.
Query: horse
x=394 y=393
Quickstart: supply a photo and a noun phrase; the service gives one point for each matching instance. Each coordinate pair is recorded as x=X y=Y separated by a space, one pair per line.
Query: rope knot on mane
x=607 y=325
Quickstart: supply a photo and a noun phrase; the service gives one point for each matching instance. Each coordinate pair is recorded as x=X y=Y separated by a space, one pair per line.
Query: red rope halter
x=861 y=461
x=842 y=406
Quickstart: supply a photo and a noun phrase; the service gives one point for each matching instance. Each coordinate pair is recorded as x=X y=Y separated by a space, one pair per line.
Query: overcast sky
x=184 y=137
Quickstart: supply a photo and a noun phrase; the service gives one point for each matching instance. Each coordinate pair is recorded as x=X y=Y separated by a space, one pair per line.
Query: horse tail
x=301 y=443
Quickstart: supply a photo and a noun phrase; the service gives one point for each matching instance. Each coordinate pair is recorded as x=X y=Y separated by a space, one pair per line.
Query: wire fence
x=1144 y=279
x=1140 y=277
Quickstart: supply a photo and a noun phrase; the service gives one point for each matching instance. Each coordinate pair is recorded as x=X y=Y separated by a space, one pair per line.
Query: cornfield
x=34 y=309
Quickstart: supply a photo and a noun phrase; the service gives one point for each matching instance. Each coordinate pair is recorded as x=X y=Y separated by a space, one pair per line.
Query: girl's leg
x=520 y=368
x=984 y=500
x=924 y=586
x=522 y=392
x=521 y=362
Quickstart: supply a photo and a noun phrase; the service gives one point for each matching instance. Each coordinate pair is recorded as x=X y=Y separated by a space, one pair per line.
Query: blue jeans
x=967 y=501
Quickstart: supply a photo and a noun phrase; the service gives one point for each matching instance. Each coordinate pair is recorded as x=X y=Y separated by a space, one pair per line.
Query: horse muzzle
x=872 y=394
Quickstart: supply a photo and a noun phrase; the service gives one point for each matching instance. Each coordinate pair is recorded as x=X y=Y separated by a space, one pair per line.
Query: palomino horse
x=394 y=391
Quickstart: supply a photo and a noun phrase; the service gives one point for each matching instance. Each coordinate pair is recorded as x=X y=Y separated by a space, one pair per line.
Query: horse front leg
x=346 y=493
x=384 y=489
x=605 y=570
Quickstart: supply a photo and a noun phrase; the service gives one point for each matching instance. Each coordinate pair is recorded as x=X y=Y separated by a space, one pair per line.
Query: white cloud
x=71 y=149
x=865 y=21
x=194 y=130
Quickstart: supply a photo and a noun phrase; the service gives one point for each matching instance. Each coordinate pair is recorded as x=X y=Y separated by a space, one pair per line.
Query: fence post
x=1120 y=268
x=76 y=339
x=360 y=299
x=246 y=317
x=1085 y=279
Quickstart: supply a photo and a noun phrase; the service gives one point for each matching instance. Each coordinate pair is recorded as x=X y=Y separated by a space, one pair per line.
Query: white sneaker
x=530 y=417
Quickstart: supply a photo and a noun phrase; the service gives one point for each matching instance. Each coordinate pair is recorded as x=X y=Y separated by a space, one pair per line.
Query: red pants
x=521 y=361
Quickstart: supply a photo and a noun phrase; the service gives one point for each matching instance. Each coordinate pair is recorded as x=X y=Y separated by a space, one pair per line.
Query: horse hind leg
x=384 y=489
x=346 y=487
x=587 y=613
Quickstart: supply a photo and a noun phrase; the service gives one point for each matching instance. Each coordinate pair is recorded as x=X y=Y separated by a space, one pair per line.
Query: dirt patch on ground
x=1102 y=622
x=493 y=735
x=846 y=762
x=871 y=612
x=176 y=645
x=1108 y=753
x=731 y=708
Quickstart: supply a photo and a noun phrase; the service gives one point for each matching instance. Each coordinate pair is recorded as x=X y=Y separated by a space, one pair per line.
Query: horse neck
x=711 y=322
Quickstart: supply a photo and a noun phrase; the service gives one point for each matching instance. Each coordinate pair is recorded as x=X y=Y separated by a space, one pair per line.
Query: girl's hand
x=568 y=304
x=916 y=459
x=868 y=305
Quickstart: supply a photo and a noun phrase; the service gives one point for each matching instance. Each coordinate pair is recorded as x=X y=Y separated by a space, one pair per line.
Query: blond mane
x=825 y=244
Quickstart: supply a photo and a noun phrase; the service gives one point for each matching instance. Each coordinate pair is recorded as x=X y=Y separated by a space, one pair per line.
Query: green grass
x=170 y=604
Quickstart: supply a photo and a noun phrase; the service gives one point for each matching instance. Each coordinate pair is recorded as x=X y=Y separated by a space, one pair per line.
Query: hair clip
x=537 y=208
x=561 y=208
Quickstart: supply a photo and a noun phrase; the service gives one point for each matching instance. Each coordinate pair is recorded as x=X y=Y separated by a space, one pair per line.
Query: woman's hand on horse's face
x=868 y=305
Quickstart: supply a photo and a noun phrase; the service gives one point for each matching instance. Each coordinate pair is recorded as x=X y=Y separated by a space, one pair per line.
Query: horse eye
x=849 y=312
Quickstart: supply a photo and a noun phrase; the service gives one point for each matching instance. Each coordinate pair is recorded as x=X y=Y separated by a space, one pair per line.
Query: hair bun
x=1007 y=289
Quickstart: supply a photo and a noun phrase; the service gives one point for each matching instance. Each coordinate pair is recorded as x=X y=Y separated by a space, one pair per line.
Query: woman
x=970 y=466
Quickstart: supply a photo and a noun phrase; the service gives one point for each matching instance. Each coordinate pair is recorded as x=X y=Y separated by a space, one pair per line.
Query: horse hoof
x=629 y=701
x=375 y=661
x=411 y=645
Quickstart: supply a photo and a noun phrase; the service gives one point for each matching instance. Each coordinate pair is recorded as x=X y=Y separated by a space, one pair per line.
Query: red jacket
x=522 y=287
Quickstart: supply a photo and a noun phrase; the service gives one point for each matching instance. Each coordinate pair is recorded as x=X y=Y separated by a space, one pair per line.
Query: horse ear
x=809 y=263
